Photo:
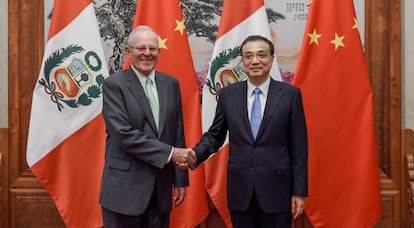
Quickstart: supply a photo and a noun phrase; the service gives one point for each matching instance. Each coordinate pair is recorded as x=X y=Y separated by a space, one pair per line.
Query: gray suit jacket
x=136 y=152
x=275 y=164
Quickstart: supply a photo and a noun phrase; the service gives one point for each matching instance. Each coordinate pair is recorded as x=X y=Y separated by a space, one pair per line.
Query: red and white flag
x=65 y=148
x=226 y=68
x=166 y=18
x=344 y=189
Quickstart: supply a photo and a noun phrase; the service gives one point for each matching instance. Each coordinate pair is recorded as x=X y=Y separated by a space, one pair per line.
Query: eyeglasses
x=143 y=49
x=259 y=56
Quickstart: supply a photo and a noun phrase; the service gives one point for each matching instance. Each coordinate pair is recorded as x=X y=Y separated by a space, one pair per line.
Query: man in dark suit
x=267 y=176
x=144 y=124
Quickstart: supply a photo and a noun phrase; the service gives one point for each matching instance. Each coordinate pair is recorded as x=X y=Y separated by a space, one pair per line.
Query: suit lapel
x=273 y=98
x=137 y=90
x=241 y=93
x=162 y=89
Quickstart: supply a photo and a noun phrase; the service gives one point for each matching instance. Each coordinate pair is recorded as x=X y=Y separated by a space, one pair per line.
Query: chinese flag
x=65 y=146
x=344 y=188
x=166 y=18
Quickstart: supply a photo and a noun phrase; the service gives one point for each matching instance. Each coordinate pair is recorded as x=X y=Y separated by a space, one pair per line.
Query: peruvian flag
x=166 y=18
x=65 y=148
x=226 y=68
x=344 y=188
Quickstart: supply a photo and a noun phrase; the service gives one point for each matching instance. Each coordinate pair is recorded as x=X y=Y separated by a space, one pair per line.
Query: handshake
x=183 y=158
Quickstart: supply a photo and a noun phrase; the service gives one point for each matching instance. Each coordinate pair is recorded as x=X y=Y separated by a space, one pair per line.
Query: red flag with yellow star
x=344 y=188
x=166 y=18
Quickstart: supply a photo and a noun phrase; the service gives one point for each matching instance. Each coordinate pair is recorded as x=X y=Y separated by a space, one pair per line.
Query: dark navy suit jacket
x=275 y=164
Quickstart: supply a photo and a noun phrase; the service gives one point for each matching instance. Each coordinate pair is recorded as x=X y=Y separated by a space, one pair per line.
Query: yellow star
x=180 y=26
x=162 y=42
x=355 y=26
x=338 y=41
x=314 y=37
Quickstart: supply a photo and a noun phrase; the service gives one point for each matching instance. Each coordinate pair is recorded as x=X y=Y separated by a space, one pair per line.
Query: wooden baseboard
x=407 y=155
x=3 y=150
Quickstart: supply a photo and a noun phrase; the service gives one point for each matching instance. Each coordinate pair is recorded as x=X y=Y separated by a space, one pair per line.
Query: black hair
x=258 y=37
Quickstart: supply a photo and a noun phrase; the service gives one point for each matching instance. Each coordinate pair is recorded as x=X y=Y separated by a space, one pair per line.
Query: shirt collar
x=264 y=87
x=142 y=78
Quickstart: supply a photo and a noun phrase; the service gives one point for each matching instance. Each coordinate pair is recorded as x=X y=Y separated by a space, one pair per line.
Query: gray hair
x=139 y=28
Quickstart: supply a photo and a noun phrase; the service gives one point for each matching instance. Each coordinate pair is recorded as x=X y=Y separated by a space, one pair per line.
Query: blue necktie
x=256 y=115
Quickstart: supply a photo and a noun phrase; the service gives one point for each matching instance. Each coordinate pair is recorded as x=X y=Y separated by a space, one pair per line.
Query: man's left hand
x=298 y=205
x=179 y=194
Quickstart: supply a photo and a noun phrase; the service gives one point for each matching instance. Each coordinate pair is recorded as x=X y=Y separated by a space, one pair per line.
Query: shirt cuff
x=169 y=157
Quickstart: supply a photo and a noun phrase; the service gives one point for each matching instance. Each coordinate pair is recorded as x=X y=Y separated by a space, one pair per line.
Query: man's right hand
x=183 y=158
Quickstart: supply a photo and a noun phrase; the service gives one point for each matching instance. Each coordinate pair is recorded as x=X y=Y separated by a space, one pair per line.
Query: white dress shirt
x=264 y=87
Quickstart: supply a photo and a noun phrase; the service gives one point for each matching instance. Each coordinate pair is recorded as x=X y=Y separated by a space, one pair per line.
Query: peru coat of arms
x=72 y=78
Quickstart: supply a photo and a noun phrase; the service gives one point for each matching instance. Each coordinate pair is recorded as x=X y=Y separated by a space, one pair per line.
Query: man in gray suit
x=267 y=175
x=144 y=124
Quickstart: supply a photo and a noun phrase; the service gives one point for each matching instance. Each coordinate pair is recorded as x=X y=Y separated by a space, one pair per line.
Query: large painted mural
x=287 y=20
